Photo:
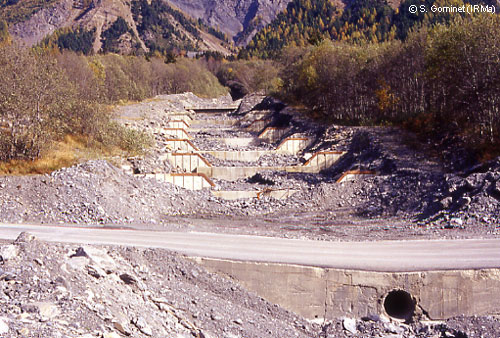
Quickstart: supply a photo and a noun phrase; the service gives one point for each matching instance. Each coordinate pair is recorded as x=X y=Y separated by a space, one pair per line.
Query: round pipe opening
x=399 y=304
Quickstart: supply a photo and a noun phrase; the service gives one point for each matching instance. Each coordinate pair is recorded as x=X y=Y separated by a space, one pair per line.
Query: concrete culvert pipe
x=399 y=304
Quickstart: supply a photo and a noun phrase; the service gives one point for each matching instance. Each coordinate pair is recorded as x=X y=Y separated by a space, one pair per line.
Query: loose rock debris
x=56 y=290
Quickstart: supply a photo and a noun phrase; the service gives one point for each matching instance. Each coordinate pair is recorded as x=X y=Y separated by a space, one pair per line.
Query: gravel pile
x=379 y=326
x=266 y=160
x=221 y=133
x=248 y=103
x=212 y=141
x=472 y=198
x=94 y=192
x=56 y=290
x=97 y=192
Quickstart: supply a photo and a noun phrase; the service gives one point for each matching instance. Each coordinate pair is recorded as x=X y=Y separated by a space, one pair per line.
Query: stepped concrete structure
x=183 y=145
x=185 y=157
x=353 y=174
x=273 y=134
x=178 y=124
x=258 y=125
x=188 y=162
x=191 y=181
x=292 y=145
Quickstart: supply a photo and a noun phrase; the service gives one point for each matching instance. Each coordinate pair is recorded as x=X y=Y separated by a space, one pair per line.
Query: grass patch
x=74 y=149
x=61 y=154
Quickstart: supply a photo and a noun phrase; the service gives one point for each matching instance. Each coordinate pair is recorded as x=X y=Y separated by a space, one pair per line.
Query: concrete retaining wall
x=181 y=145
x=179 y=133
x=188 y=162
x=273 y=134
x=181 y=116
x=313 y=292
x=213 y=122
x=191 y=181
x=323 y=159
x=292 y=145
x=353 y=174
x=234 y=194
x=258 y=125
x=279 y=194
x=246 y=156
x=233 y=173
x=178 y=124
x=255 y=115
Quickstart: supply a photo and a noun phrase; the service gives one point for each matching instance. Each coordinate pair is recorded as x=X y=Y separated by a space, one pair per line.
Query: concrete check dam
x=320 y=279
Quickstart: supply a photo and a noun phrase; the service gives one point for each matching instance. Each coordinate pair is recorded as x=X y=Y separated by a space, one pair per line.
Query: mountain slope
x=117 y=25
x=240 y=19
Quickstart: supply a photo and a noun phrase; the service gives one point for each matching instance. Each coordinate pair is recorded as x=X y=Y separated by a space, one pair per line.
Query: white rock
x=307 y=156
x=9 y=252
x=183 y=335
x=143 y=326
x=111 y=335
x=47 y=310
x=393 y=328
x=101 y=258
x=75 y=263
x=230 y=335
x=4 y=327
x=349 y=324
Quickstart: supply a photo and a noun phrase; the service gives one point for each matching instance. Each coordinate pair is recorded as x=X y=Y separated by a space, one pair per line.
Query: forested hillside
x=311 y=21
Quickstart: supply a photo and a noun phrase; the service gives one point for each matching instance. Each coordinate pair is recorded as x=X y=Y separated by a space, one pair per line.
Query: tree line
x=46 y=94
x=306 y=22
x=440 y=80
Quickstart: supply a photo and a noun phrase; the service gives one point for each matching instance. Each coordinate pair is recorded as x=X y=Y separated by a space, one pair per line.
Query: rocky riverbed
x=412 y=195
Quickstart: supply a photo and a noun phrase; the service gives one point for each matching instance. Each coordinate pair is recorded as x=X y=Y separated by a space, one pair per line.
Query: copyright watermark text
x=469 y=9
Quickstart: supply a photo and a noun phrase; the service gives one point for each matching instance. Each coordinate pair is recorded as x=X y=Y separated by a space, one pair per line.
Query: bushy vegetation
x=47 y=96
x=441 y=80
x=39 y=104
x=4 y=32
x=249 y=76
